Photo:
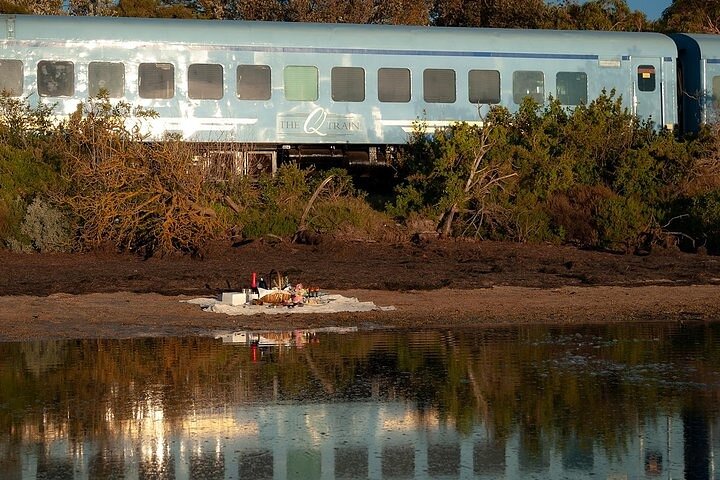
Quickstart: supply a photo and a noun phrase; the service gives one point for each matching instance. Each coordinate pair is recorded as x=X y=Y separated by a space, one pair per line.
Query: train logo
x=319 y=122
x=315 y=121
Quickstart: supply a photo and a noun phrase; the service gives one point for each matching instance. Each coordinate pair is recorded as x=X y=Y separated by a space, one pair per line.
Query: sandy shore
x=124 y=314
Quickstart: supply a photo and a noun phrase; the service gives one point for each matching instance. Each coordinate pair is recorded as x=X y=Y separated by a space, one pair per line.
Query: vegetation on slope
x=595 y=177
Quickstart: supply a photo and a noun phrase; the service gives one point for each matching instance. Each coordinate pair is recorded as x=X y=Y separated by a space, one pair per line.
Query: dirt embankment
x=446 y=284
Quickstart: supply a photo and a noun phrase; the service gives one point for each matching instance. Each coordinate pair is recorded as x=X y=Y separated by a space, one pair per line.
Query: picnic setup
x=277 y=295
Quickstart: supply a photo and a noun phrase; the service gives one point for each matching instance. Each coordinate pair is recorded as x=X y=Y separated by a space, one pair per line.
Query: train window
x=348 y=84
x=301 y=83
x=571 y=88
x=528 y=84
x=646 y=78
x=106 y=76
x=156 y=80
x=394 y=85
x=716 y=93
x=484 y=86
x=253 y=82
x=56 y=78
x=205 y=81
x=11 y=77
x=439 y=85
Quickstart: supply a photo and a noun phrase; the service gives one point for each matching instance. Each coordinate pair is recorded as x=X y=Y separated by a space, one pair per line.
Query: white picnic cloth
x=330 y=304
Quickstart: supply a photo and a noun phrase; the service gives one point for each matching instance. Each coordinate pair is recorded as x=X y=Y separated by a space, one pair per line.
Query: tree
x=468 y=175
x=702 y=16
x=154 y=9
x=7 y=6
x=609 y=15
x=37 y=7
x=268 y=10
x=92 y=7
x=451 y=177
x=401 y=12
x=490 y=13
x=331 y=11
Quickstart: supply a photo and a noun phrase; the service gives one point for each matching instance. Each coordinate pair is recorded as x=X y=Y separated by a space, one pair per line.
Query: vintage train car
x=325 y=90
x=699 y=56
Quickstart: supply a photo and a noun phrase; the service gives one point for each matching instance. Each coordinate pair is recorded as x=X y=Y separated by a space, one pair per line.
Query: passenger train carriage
x=330 y=90
x=699 y=60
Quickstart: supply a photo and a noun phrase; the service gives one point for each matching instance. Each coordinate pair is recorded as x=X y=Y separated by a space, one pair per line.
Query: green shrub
x=24 y=126
x=352 y=218
x=259 y=222
x=530 y=221
x=23 y=176
x=703 y=222
x=621 y=221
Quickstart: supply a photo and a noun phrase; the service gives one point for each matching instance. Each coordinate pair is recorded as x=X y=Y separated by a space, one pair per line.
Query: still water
x=610 y=402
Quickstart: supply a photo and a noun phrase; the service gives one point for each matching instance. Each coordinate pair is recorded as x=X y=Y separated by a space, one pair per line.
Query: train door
x=711 y=112
x=647 y=89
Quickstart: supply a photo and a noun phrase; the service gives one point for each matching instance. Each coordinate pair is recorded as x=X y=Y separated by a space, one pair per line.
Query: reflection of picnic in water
x=281 y=338
x=282 y=297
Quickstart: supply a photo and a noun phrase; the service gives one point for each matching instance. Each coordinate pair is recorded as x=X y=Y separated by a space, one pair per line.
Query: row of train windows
x=253 y=82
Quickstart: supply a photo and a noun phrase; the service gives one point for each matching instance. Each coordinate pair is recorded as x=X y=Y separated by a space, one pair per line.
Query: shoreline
x=136 y=315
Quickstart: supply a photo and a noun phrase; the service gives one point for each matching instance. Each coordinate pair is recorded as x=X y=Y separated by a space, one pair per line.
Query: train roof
x=704 y=45
x=343 y=37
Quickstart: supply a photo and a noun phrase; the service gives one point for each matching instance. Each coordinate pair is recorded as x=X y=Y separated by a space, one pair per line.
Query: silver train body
x=350 y=91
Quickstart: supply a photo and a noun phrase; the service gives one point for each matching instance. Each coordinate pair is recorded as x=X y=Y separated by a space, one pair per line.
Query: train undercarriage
x=227 y=160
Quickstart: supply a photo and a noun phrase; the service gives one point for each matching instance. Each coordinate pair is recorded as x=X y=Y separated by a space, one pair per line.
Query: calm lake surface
x=610 y=402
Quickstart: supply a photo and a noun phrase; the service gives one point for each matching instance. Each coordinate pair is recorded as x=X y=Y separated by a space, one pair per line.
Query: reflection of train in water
x=344 y=91
x=346 y=440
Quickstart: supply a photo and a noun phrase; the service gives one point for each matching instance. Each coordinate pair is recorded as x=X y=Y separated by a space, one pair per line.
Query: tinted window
x=205 y=81
x=348 y=84
x=528 y=84
x=301 y=83
x=439 y=85
x=394 y=85
x=253 y=82
x=484 y=86
x=571 y=88
x=646 y=78
x=56 y=79
x=156 y=80
x=11 y=77
x=109 y=77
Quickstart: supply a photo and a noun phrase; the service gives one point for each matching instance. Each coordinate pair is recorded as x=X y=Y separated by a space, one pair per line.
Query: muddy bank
x=442 y=284
x=125 y=314
x=351 y=265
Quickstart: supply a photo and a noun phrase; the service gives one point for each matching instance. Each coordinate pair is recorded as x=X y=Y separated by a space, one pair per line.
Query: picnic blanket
x=330 y=303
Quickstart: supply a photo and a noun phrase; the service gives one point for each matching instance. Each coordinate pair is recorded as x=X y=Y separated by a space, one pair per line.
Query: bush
x=23 y=126
x=454 y=180
x=47 y=228
x=140 y=197
x=23 y=176
x=593 y=176
x=621 y=222
x=703 y=221
x=352 y=218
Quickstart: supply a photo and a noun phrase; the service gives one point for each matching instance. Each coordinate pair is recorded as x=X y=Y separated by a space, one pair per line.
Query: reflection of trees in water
x=42 y=357
x=563 y=385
